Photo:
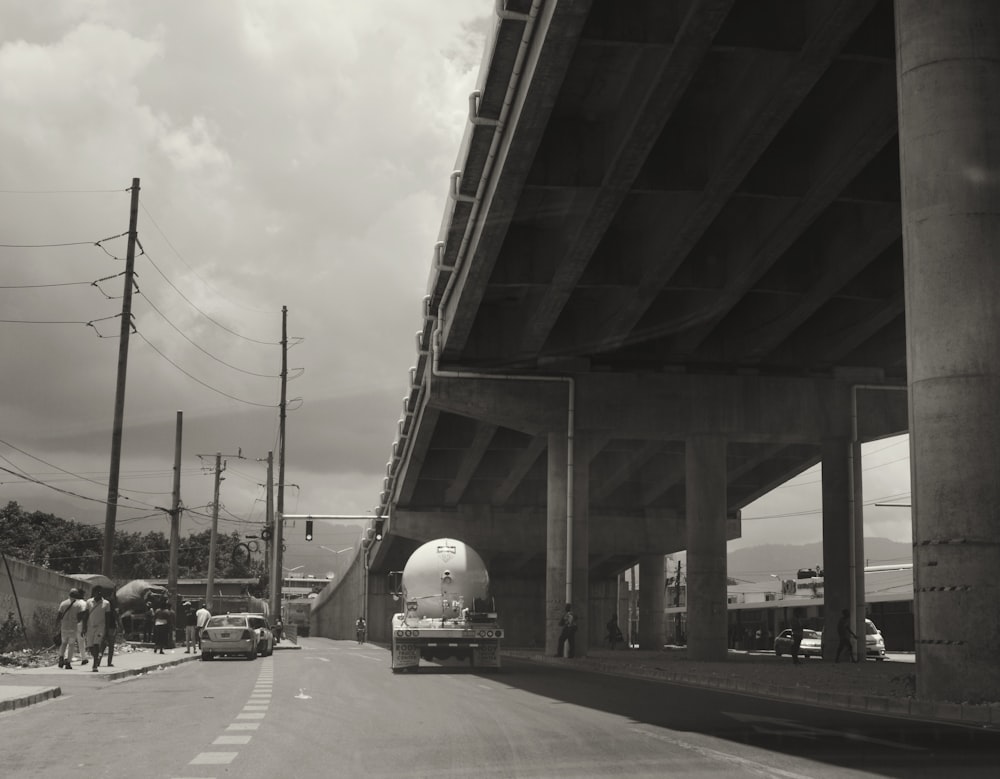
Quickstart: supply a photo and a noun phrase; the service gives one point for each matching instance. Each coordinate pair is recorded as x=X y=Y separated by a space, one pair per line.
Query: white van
x=874 y=644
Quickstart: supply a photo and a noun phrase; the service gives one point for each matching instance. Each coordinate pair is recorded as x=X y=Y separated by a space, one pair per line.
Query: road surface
x=334 y=709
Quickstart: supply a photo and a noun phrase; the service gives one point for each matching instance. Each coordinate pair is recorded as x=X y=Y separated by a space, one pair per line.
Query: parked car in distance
x=247 y=635
x=874 y=643
x=811 y=646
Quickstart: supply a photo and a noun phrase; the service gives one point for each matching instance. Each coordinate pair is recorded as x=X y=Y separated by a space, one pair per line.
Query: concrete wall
x=39 y=592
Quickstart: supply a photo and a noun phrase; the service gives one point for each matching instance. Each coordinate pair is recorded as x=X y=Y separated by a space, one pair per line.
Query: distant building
x=767 y=605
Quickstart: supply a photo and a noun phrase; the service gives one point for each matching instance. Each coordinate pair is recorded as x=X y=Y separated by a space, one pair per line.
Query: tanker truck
x=447 y=611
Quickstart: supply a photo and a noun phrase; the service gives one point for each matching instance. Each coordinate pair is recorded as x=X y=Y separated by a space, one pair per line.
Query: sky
x=297 y=159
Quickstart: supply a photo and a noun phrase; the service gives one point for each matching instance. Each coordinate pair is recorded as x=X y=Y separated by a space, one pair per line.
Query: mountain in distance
x=785 y=559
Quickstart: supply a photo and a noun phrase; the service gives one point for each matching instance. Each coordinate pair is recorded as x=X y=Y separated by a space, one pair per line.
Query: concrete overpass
x=691 y=249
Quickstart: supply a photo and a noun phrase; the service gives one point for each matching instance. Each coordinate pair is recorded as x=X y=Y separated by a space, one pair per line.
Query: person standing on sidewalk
x=110 y=630
x=68 y=619
x=190 y=627
x=203 y=615
x=796 y=638
x=163 y=623
x=844 y=636
x=95 y=624
x=568 y=633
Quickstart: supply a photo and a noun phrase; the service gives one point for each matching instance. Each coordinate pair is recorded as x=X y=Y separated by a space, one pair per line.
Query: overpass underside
x=691 y=249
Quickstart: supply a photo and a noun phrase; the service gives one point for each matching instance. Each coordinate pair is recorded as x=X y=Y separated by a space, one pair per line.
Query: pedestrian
x=614 y=634
x=203 y=615
x=110 y=629
x=147 y=625
x=95 y=624
x=844 y=636
x=190 y=627
x=361 y=628
x=567 y=636
x=163 y=623
x=67 y=624
x=81 y=638
x=796 y=639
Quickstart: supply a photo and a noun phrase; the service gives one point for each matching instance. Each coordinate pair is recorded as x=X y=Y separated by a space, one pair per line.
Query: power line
x=195 y=272
x=202 y=349
x=196 y=308
x=199 y=381
x=61 y=191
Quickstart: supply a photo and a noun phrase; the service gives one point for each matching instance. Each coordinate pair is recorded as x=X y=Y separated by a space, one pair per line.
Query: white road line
x=214 y=758
x=231 y=740
x=243 y=726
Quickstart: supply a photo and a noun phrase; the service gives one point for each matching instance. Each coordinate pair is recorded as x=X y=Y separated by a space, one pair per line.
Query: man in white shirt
x=203 y=616
x=70 y=614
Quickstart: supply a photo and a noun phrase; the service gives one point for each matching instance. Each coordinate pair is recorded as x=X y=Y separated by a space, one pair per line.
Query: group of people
x=569 y=625
x=90 y=625
x=194 y=623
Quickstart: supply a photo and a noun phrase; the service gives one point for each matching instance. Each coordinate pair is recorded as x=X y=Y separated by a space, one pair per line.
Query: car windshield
x=227 y=621
x=811 y=634
x=870 y=628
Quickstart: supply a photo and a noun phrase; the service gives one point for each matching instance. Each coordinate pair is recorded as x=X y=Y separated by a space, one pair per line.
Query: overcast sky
x=290 y=154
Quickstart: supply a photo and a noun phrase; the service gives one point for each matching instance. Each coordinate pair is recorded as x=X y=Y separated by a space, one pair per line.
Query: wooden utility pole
x=116 y=435
x=278 y=526
x=275 y=560
x=175 y=513
x=210 y=585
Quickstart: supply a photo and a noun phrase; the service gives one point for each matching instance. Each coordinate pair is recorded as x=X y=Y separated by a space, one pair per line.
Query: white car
x=247 y=635
x=874 y=643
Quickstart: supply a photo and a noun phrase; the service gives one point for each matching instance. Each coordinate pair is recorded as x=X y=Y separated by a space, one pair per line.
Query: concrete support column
x=948 y=83
x=706 y=548
x=556 y=536
x=652 y=580
x=837 y=538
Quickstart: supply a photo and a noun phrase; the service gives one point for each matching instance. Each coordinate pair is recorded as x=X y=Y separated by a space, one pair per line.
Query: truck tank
x=447 y=610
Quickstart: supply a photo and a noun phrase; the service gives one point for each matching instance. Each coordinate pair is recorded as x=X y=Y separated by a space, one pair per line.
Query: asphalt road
x=334 y=709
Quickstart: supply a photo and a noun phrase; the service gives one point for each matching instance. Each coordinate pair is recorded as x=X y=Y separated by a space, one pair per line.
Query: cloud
x=286 y=158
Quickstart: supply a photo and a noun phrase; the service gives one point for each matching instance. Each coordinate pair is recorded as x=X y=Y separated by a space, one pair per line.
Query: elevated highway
x=681 y=262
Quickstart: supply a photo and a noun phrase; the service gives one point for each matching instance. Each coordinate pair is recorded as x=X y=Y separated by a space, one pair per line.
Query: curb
x=41 y=694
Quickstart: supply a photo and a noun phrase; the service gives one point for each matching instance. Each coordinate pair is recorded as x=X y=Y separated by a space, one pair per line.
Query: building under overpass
x=691 y=249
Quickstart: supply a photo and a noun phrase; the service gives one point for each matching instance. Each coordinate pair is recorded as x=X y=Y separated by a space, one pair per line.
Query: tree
x=72 y=547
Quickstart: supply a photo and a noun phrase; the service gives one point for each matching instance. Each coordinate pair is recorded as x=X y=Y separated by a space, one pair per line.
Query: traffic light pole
x=366 y=543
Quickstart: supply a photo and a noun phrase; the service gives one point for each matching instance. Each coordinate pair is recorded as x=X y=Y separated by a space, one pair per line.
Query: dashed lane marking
x=254 y=709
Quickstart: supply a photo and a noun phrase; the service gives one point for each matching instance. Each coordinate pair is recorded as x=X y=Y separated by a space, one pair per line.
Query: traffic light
x=378 y=529
x=309 y=530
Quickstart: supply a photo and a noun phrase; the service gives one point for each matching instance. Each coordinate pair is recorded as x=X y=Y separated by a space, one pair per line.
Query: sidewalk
x=20 y=687
x=872 y=687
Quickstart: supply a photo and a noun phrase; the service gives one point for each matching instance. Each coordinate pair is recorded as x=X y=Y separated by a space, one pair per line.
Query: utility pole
x=175 y=513
x=116 y=435
x=278 y=534
x=275 y=559
x=220 y=466
x=210 y=585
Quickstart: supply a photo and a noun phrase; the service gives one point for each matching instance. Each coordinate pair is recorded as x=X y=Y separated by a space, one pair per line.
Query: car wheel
x=252 y=654
x=777 y=652
x=206 y=655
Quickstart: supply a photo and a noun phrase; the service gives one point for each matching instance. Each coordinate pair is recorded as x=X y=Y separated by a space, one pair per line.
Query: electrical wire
x=199 y=381
x=145 y=210
x=207 y=316
x=202 y=349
